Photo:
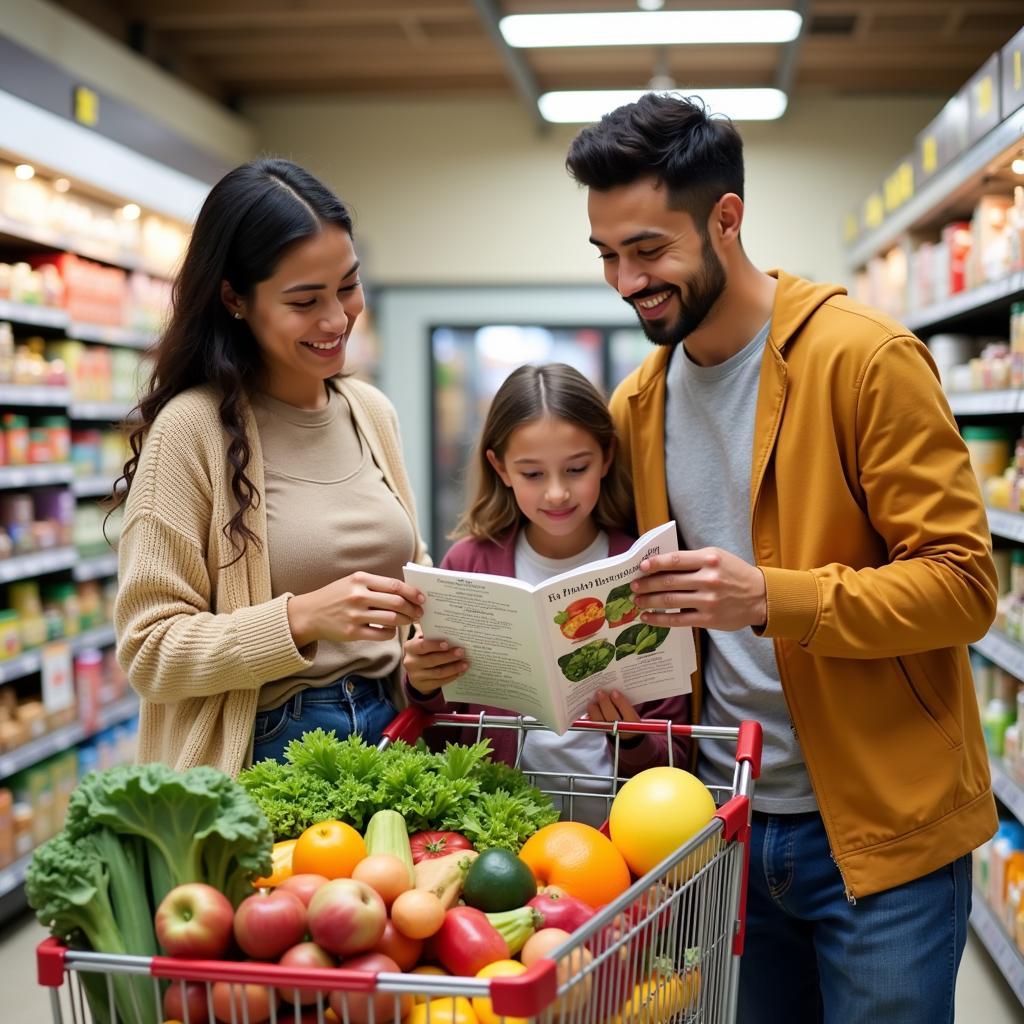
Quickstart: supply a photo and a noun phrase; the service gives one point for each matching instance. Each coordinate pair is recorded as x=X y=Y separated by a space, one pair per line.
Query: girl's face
x=302 y=316
x=555 y=470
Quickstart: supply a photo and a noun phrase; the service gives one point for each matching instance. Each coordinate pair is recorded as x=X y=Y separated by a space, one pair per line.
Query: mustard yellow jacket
x=868 y=525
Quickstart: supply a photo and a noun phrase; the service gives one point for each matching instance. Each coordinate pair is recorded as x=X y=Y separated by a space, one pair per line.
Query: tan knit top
x=199 y=637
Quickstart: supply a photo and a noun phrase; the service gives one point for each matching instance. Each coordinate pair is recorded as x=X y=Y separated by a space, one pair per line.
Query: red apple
x=302 y=885
x=194 y=921
x=191 y=994
x=346 y=917
x=404 y=951
x=371 y=1008
x=305 y=954
x=233 y=1003
x=266 y=924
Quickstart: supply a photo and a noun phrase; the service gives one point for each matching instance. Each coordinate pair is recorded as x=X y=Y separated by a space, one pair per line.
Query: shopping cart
x=667 y=950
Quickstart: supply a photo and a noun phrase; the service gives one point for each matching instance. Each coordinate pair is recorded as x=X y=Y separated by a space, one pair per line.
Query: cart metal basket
x=667 y=950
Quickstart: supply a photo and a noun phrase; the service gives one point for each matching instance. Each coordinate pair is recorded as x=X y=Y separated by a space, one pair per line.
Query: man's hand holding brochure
x=544 y=650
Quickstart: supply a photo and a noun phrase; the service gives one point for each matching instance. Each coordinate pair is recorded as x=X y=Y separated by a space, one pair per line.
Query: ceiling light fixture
x=650 y=5
x=586 y=106
x=650 y=28
x=131 y=211
x=61 y=185
x=1018 y=165
x=25 y=172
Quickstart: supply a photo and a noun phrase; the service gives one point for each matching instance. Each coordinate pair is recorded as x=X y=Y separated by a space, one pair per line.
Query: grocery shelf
x=95 y=567
x=28 y=662
x=37 y=564
x=964 y=304
x=36 y=476
x=994 y=938
x=69 y=243
x=986 y=403
x=14 y=875
x=1006 y=653
x=1009 y=525
x=59 y=740
x=104 y=411
x=92 y=486
x=944 y=191
x=22 y=394
x=32 y=316
x=1006 y=788
x=122 y=337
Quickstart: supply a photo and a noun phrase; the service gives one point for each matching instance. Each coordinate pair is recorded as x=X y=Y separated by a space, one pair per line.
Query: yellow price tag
x=906 y=181
x=850 y=227
x=929 y=154
x=87 y=106
x=983 y=94
x=874 y=210
x=1018 y=70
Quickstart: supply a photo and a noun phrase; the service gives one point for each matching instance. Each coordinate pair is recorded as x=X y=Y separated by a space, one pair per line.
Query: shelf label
x=874 y=210
x=86 y=106
x=929 y=154
x=984 y=90
x=58 y=680
x=851 y=228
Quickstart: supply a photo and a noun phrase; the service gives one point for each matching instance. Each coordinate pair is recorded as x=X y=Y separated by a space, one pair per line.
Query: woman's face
x=302 y=316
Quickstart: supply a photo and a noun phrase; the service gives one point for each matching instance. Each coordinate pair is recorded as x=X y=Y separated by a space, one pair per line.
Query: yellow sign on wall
x=86 y=106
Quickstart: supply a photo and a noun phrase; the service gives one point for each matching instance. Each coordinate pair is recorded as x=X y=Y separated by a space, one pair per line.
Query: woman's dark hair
x=671 y=139
x=248 y=221
x=529 y=393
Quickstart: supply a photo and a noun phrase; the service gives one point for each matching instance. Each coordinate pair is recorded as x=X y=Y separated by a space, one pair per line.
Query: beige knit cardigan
x=197 y=636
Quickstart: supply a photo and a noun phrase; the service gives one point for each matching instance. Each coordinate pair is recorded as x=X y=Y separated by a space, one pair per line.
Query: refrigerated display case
x=469 y=364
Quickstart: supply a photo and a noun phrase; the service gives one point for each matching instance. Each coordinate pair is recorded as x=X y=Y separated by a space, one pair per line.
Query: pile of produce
x=487 y=883
x=460 y=790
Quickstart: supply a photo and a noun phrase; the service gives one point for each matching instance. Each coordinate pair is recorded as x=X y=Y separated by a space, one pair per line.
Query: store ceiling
x=237 y=49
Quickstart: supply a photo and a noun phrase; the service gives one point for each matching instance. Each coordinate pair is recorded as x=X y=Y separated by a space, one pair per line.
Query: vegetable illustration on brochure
x=543 y=650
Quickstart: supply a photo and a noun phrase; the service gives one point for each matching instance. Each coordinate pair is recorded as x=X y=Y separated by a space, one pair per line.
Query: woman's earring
x=238 y=316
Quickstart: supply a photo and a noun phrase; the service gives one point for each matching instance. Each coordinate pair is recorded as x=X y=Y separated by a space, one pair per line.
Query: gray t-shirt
x=709 y=440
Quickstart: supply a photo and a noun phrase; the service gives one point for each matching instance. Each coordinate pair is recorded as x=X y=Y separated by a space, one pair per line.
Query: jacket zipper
x=850 y=898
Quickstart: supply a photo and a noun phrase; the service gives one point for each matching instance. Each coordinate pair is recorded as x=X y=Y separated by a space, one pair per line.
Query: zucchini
x=387 y=833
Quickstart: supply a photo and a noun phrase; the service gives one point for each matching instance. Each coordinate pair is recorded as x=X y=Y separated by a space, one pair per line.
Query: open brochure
x=544 y=650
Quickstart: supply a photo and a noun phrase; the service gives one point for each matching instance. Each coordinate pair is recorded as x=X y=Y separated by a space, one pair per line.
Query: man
x=837 y=564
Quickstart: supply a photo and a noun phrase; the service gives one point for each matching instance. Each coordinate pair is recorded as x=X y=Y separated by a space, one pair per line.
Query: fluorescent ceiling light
x=650 y=28
x=585 y=106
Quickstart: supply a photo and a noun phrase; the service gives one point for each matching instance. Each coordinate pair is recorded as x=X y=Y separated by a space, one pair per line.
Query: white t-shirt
x=567 y=759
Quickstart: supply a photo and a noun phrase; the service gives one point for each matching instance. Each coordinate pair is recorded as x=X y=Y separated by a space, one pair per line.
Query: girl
x=268 y=513
x=550 y=496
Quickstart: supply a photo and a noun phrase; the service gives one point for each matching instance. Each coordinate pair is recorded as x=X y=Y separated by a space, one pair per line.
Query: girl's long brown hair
x=248 y=221
x=529 y=393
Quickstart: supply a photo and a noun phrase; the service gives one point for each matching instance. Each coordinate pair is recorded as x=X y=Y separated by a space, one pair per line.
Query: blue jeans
x=353 y=705
x=811 y=956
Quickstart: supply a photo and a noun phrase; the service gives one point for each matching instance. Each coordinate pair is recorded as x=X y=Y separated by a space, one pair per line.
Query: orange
x=439 y=972
x=657 y=811
x=578 y=859
x=443 y=1010
x=281 y=865
x=482 y=1005
x=329 y=848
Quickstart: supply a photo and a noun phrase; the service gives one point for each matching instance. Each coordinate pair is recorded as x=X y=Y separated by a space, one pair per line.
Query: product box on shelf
x=1011 y=74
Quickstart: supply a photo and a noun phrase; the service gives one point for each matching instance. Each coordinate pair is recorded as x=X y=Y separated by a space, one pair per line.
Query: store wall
x=466 y=192
x=104 y=64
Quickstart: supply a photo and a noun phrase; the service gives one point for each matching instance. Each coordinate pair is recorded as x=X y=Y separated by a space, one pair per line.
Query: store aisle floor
x=983 y=997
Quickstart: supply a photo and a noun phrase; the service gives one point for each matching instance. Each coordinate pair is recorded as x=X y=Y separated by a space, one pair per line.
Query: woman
x=268 y=514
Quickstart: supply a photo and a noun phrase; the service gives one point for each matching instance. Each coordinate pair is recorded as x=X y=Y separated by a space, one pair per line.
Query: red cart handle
x=748 y=746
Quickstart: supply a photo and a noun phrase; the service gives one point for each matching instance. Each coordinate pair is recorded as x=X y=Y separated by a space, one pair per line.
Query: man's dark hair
x=668 y=138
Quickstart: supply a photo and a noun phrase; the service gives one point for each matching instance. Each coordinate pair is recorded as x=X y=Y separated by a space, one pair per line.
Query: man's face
x=656 y=259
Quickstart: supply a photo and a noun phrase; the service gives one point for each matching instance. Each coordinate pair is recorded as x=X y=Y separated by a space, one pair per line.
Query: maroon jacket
x=498 y=559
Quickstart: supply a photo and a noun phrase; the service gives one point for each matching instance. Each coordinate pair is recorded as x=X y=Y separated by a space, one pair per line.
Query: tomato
x=430 y=845
x=281 y=865
x=329 y=848
x=468 y=942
